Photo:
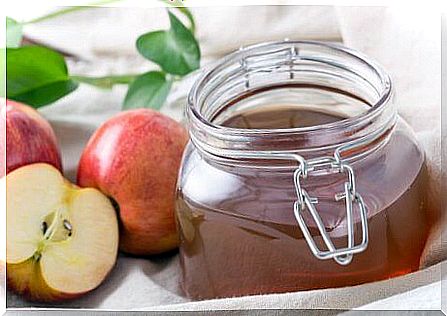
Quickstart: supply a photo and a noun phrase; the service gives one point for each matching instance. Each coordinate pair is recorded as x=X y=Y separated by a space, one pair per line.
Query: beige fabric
x=343 y=298
x=219 y=29
x=410 y=51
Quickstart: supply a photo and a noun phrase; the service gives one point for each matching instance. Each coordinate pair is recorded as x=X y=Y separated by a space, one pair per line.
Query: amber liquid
x=253 y=245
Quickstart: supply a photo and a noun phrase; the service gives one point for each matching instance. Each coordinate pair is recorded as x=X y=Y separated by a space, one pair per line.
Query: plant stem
x=188 y=14
x=106 y=82
x=68 y=10
x=185 y=11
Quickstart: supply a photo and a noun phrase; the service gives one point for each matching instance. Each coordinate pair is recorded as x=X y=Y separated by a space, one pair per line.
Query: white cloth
x=409 y=51
x=219 y=29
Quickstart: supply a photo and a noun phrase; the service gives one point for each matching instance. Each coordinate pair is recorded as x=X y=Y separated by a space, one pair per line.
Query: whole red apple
x=134 y=158
x=29 y=138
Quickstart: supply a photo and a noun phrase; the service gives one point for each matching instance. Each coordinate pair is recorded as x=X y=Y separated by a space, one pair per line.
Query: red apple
x=29 y=138
x=134 y=158
x=62 y=241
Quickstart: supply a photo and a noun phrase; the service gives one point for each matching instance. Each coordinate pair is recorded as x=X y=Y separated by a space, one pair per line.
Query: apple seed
x=44 y=227
x=67 y=226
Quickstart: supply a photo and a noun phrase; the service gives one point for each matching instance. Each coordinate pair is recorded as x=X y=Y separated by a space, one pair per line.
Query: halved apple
x=61 y=241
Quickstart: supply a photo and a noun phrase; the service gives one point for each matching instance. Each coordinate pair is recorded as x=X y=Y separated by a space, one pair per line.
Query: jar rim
x=375 y=108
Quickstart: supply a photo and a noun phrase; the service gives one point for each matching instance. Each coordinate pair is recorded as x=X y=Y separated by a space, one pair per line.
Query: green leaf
x=47 y=94
x=13 y=33
x=36 y=75
x=176 y=50
x=148 y=90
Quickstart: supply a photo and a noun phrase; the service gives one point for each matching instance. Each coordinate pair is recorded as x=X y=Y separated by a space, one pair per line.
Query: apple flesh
x=134 y=158
x=62 y=241
x=29 y=138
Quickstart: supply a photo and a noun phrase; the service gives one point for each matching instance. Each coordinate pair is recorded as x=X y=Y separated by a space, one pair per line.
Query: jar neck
x=309 y=74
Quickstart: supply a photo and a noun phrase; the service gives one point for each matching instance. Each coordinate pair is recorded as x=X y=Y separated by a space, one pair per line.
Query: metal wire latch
x=342 y=256
x=305 y=202
x=305 y=169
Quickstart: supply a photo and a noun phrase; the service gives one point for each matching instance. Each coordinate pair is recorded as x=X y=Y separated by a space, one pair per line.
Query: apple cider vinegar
x=249 y=243
x=299 y=175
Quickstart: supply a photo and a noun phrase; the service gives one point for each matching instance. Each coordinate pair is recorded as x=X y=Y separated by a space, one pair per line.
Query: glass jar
x=299 y=174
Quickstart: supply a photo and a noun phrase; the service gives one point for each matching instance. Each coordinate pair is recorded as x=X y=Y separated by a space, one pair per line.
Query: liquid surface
x=289 y=118
x=245 y=240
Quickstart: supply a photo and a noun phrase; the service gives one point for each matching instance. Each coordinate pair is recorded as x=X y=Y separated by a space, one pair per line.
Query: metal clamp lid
x=266 y=59
x=342 y=256
x=305 y=168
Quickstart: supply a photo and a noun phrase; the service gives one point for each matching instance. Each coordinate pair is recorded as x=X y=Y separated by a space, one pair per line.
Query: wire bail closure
x=242 y=71
x=342 y=256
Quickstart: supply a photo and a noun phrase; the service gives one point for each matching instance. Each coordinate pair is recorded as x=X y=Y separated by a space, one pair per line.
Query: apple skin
x=29 y=276
x=29 y=138
x=29 y=282
x=134 y=158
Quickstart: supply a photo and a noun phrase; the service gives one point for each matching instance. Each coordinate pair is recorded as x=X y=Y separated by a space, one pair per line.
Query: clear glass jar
x=253 y=188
